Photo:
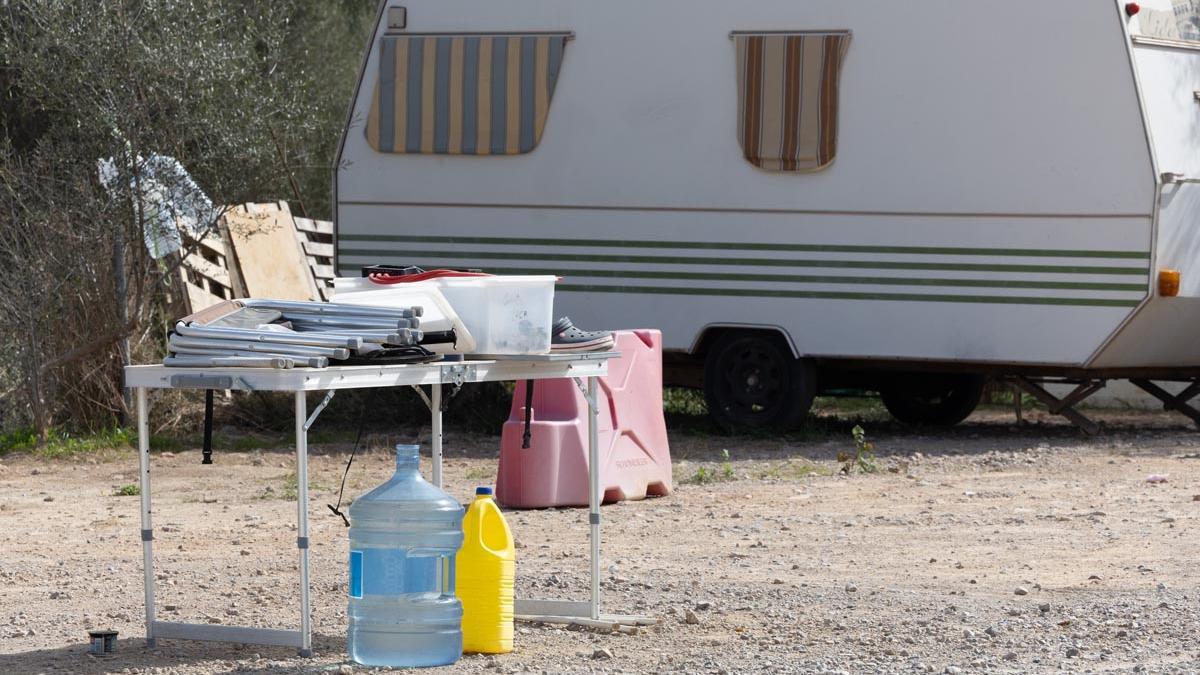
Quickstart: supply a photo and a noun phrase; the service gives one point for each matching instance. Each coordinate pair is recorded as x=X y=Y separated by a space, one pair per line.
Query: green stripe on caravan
x=895 y=297
x=712 y=245
x=819 y=279
x=827 y=295
x=755 y=262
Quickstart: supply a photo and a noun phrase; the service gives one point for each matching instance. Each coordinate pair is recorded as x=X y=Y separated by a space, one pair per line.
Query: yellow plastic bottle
x=485 y=570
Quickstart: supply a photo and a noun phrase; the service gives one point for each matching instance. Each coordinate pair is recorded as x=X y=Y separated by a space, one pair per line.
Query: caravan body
x=985 y=185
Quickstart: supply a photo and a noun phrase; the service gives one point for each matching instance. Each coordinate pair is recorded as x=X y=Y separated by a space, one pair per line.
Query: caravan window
x=1181 y=22
x=463 y=94
x=788 y=91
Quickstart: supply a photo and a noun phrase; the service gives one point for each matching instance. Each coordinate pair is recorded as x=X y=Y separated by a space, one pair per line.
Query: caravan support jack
x=1065 y=406
x=1177 y=402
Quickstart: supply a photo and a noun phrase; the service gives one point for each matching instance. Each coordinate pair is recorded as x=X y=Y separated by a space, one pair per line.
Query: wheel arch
x=712 y=332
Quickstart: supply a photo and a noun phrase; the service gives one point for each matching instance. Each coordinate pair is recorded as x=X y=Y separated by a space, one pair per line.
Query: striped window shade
x=463 y=94
x=788 y=98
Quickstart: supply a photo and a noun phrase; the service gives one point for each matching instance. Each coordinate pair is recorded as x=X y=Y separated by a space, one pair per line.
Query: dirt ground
x=988 y=548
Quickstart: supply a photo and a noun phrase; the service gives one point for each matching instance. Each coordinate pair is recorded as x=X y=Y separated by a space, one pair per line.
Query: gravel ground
x=985 y=549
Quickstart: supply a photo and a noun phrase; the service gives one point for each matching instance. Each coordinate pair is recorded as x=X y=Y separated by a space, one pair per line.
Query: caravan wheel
x=752 y=381
x=932 y=399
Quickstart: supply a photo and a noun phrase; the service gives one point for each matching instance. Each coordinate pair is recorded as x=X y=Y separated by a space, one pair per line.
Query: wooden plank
x=316 y=248
x=214 y=243
x=235 y=275
x=314 y=226
x=270 y=261
x=207 y=269
x=322 y=271
x=199 y=299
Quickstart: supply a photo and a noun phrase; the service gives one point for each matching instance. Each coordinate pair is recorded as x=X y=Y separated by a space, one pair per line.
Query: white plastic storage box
x=504 y=314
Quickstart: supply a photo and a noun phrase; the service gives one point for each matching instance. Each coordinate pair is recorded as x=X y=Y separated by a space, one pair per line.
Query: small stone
x=851 y=588
x=1072 y=652
x=689 y=617
x=602 y=653
x=777 y=581
x=346 y=669
x=1044 y=607
x=991 y=631
x=1010 y=656
x=1021 y=590
x=703 y=605
x=48 y=498
x=952 y=670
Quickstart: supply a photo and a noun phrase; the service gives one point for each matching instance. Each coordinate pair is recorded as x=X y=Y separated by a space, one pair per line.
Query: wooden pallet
x=261 y=250
x=204 y=275
x=268 y=258
x=316 y=238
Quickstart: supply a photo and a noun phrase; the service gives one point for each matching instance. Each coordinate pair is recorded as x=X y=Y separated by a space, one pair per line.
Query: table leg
x=435 y=420
x=302 y=522
x=143 y=433
x=594 y=492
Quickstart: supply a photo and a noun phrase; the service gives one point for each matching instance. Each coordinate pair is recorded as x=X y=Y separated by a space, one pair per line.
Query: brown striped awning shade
x=788 y=98
x=464 y=94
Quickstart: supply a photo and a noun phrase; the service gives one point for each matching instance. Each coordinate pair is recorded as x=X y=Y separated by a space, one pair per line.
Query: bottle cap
x=483 y=491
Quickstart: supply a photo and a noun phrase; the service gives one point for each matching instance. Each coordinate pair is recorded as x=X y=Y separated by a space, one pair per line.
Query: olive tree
x=230 y=89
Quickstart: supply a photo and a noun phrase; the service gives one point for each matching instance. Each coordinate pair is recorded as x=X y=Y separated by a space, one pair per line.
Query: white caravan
x=901 y=196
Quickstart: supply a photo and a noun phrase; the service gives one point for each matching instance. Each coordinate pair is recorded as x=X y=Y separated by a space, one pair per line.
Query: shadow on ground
x=132 y=655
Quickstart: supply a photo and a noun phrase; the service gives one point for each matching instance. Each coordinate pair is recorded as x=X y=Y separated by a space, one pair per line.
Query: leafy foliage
x=863 y=457
x=248 y=95
x=130 y=490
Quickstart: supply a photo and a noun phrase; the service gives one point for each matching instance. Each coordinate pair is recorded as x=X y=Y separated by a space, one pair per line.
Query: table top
x=473 y=369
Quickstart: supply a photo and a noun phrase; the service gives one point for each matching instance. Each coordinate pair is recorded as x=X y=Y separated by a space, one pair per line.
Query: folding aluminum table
x=580 y=367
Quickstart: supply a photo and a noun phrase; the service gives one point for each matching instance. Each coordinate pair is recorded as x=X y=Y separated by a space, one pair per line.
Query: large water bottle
x=403 y=538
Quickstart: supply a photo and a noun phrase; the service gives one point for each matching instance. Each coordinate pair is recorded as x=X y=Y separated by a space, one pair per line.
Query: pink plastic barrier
x=634 y=458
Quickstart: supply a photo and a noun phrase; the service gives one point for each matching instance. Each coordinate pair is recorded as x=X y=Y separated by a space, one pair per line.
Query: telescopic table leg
x=143 y=433
x=302 y=522
x=594 y=492
x=435 y=421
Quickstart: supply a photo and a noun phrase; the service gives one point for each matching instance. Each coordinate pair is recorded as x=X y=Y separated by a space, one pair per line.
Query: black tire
x=941 y=400
x=752 y=382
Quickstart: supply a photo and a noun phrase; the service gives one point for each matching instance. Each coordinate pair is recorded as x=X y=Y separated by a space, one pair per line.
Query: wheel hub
x=756 y=379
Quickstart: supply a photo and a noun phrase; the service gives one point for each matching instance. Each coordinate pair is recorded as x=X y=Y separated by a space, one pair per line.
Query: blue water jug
x=403 y=537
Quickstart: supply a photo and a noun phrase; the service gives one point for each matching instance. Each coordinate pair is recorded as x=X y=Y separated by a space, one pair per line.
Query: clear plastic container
x=404 y=535
x=505 y=314
x=486 y=572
